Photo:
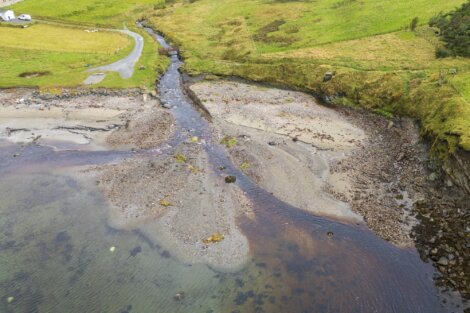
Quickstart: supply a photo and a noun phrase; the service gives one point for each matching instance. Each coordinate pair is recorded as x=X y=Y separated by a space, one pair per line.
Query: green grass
x=65 y=39
x=379 y=64
x=107 y=13
x=64 y=53
x=220 y=24
x=153 y=64
x=80 y=50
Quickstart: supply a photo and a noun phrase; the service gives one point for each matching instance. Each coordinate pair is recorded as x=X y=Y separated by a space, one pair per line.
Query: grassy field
x=379 y=63
x=106 y=13
x=63 y=39
x=65 y=53
x=61 y=54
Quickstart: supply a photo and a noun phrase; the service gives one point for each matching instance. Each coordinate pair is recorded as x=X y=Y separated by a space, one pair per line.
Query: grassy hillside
x=54 y=55
x=267 y=26
x=379 y=63
x=107 y=13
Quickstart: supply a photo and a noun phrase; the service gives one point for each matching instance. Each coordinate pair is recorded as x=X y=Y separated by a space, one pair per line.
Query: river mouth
x=59 y=252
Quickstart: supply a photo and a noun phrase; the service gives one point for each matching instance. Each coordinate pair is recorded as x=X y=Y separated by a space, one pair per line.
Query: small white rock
x=112 y=249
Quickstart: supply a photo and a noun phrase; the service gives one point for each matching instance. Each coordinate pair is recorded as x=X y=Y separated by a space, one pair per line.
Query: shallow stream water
x=55 y=246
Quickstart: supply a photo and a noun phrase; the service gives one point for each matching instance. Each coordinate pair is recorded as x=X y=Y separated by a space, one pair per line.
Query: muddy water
x=57 y=253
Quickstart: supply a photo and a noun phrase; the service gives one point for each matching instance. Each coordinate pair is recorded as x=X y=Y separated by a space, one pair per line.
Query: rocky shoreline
x=388 y=177
x=356 y=164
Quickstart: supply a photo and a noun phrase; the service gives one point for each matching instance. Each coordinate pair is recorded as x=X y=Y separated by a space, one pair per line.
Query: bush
x=414 y=23
x=442 y=52
x=454 y=30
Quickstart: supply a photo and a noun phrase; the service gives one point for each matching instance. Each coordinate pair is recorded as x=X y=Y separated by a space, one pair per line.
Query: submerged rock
x=230 y=179
x=443 y=261
x=179 y=296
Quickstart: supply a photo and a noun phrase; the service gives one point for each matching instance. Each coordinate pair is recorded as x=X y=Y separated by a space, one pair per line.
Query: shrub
x=414 y=23
x=442 y=52
x=454 y=30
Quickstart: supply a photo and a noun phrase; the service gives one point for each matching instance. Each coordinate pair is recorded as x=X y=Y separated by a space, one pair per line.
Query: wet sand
x=177 y=201
x=284 y=141
x=91 y=122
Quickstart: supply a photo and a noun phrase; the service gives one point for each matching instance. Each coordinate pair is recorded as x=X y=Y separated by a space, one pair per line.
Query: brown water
x=55 y=247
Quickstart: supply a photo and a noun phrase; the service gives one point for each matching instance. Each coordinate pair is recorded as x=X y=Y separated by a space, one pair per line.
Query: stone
x=401 y=156
x=179 y=296
x=328 y=76
x=230 y=179
x=433 y=176
x=443 y=261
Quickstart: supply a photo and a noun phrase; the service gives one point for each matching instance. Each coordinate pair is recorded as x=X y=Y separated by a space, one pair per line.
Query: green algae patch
x=180 y=158
x=228 y=141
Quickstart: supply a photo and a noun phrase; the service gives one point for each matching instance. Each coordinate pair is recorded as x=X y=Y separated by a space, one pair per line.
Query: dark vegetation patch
x=34 y=74
x=263 y=34
x=342 y=3
x=455 y=31
x=286 y=1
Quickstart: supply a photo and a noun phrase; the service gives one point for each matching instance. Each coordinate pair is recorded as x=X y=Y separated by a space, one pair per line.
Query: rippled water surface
x=57 y=253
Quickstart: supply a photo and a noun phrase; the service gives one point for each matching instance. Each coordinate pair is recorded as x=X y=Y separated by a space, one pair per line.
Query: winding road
x=125 y=67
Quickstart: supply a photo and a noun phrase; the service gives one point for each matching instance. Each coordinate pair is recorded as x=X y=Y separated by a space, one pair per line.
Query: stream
x=58 y=253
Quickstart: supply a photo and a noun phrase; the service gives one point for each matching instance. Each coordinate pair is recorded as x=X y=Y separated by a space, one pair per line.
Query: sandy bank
x=170 y=194
x=331 y=162
x=285 y=141
x=92 y=122
x=177 y=201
